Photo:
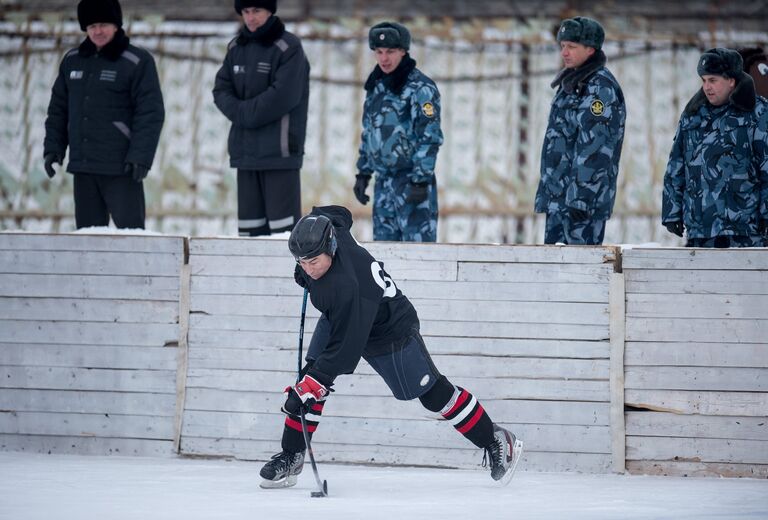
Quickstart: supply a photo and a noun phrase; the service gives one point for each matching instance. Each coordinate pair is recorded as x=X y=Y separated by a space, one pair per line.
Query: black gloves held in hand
x=361 y=183
x=417 y=193
x=137 y=171
x=51 y=158
x=578 y=215
x=676 y=227
x=762 y=228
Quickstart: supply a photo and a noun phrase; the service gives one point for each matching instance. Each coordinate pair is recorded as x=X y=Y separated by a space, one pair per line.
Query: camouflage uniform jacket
x=582 y=145
x=716 y=180
x=401 y=124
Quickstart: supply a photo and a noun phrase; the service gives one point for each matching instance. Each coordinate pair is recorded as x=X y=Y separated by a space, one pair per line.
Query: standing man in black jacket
x=263 y=89
x=107 y=106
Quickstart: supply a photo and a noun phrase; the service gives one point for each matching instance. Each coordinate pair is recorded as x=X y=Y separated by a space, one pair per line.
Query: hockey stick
x=321 y=484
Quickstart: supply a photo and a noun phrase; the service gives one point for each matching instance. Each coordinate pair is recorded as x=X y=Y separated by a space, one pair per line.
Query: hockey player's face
x=574 y=54
x=255 y=17
x=388 y=59
x=101 y=34
x=717 y=88
x=317 y=267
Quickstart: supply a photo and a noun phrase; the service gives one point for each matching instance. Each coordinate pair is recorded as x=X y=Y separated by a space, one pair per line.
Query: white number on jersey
x=383 y=280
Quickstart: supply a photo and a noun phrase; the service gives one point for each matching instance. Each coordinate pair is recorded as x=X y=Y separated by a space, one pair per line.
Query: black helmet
x=312 y=235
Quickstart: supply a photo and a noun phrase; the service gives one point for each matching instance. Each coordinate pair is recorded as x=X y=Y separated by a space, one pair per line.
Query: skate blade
x=286 y=482
x=517 y=451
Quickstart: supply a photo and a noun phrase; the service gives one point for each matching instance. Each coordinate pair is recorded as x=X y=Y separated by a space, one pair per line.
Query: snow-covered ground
x=62 y=487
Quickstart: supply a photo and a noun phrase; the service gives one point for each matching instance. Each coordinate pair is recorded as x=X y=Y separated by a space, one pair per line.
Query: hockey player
x=364 y=314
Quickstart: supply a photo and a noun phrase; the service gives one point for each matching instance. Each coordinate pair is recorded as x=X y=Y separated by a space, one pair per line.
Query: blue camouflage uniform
x=400 y=138
x=581 y=152
x=716 y=180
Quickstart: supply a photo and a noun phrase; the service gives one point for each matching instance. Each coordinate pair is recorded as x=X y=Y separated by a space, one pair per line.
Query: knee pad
x=438 y=396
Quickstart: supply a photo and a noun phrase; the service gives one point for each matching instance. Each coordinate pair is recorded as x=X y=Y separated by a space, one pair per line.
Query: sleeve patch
x=428 y=109
x=597 y=107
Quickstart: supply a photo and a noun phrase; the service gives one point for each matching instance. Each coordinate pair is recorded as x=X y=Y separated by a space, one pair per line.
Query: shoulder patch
x=428 y=109
x=128 y=55
x=282 y=44
x=597 y=107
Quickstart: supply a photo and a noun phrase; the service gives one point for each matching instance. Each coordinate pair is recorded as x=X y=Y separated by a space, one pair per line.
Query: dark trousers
x=97 y=197
x=268 y=201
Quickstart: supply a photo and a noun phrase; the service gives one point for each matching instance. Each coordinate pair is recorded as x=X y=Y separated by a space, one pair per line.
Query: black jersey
x=366 y=310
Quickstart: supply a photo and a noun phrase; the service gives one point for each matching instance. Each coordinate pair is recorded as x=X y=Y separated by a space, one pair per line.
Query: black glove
x=298 y=276
x=578 y=215
x=416 y=193
x=303 y=394
x=676 y=227
x=360 y=186
x=762 y=228
x=137 y=171
x=51 y=158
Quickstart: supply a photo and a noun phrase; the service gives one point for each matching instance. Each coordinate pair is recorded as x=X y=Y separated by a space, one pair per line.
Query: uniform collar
x=111 y=51
x=742 y=98
x=570 y=79
x=395 y=80
x=272 y=30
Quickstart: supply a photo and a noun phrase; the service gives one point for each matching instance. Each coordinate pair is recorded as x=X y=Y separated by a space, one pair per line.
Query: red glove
x=303 y=394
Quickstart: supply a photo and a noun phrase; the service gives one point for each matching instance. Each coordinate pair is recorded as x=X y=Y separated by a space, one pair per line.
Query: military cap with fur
x=90 y=12
x=721 y=62
x=583 y=30
x=389 y=35
x=270 y=6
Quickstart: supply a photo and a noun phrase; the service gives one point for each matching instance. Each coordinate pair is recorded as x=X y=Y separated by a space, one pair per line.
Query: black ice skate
x=503 y=454
x=282 y=470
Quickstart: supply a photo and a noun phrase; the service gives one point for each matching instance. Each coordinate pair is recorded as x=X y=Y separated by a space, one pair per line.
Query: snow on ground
x=63 y=487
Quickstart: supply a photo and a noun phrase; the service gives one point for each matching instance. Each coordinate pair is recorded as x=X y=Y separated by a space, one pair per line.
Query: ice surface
x=64 y=487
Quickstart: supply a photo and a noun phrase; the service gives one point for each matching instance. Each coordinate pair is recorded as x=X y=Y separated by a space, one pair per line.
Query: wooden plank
x=460 y=310
x=396 y=455
x=157 y=288
x=696 y=469
x=697 y=330
x=488 y=367
x=91 y=243
x=49 y=444
x=699 y=402
x=490 y=291
x=87 y=425
x=659 y=424
x=533 y=331
x=697 y=450
x=689 y=258
x=426 y=434
x=617 y=320
x=182 y=357
x=28 y=400
x=89 y=333
x=543 y=273
x=91 y=263
x=697 y=354
x=277 y=266
x=226 y=246
x=92 y=310
x=682 y=281
x=712 y=306
x=697 y=378
x=55 y=378
x=87 y=356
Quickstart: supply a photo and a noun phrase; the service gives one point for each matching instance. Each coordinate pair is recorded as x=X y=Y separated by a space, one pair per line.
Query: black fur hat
x=99 y=11
x=721 y=62
x=270 y=6
x=389 y=35
x=583 y=30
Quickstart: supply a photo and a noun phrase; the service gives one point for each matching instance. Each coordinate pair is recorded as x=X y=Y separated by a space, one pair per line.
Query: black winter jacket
x=106 y=106
x=263 y=89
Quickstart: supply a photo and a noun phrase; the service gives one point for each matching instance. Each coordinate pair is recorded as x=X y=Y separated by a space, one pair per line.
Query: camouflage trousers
x=397 y=221
x=727 y=241
x=560 y=228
